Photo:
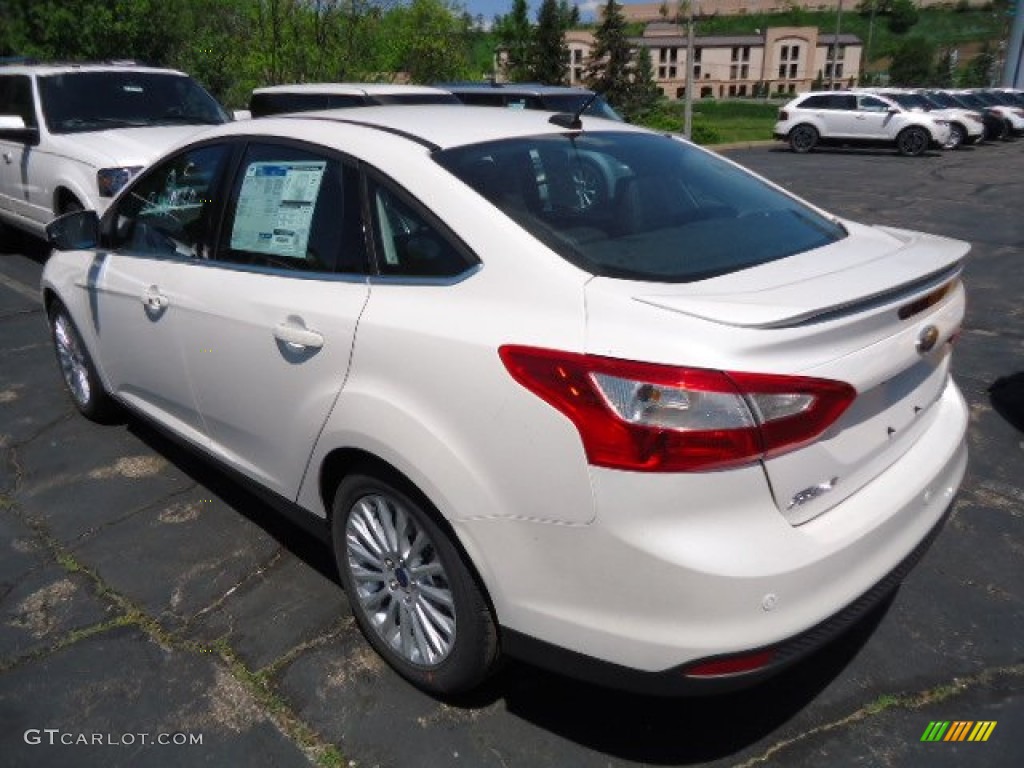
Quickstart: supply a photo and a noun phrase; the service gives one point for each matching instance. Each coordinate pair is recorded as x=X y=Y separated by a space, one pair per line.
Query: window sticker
x=275 y=207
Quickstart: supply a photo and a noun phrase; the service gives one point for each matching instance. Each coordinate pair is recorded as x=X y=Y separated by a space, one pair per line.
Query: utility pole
x=688 y=101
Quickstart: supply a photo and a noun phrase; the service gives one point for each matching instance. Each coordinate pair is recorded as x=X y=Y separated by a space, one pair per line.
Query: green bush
x=705 y=134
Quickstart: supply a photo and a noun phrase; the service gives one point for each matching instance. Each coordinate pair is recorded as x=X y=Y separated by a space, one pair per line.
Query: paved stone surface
x=143 y=591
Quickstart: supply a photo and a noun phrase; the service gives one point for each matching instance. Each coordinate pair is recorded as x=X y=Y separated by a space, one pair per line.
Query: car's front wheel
x=803 y=138
x=413 y=596
x=80 y=377
x=957 y=137
x=912 y=141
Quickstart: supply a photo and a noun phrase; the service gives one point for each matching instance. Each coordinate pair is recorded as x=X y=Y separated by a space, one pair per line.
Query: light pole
x=688 y=100
x=835 y=45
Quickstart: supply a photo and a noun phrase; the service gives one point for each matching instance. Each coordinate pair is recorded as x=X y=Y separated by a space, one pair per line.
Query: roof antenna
x=572 y=121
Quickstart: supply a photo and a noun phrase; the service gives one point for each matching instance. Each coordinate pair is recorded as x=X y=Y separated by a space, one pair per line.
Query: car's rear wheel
x=413 y=596
x=803 y=138
x=80 y=377
x=912 y=141
x=957 y=137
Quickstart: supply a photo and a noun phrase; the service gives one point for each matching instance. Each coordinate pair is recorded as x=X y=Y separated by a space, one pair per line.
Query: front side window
x=168 y=213
x=74 y=102
x=16 y=98
x=871 y=104
x=296 y=209
x=639 y=206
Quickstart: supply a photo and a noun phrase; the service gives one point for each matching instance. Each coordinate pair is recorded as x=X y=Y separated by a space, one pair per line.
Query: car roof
x=434 y=126
x=349 y=89
x=528 y=88
x=66 y=68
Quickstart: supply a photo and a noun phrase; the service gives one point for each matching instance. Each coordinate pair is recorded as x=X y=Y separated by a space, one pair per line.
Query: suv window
x=292 y=208
x=829 y=101
x=168 y=212
x=95 y=100
x=263 y=104
x=669 y=212
x=871 y=104
x=16 y=98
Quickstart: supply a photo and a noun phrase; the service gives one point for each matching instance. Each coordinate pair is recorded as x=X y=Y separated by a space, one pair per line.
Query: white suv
x=842 y=117
x=72 y=135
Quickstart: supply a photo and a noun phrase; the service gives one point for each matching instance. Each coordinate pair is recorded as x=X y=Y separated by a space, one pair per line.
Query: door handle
x=153 y=299
x=8 y=158
x=297 y=337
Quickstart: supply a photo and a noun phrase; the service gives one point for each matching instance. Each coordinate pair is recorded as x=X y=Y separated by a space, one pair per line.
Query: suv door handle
x=153 y=299
x=297 y=337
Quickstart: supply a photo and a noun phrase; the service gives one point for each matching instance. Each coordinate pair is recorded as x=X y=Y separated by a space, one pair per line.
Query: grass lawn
x=720 y=122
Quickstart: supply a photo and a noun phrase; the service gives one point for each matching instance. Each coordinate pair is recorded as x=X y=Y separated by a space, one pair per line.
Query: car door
x=268 y=324
x=842 y=116
x=874 y=118
x=15 y=100
x=161 y=224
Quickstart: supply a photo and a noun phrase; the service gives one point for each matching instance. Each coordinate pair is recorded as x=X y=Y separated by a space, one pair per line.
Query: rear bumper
x=688 y=567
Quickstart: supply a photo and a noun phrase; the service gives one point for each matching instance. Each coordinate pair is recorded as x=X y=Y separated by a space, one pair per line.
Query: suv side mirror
x=13 y=128
x=75 y=231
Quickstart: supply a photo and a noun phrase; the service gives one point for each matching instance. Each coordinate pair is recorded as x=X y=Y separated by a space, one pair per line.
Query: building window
x=673 y=55
x=696 y=70
x=733 y=72
x=662 y=55
x=672 y=73
x=794 y=53
x=578 y=74
x=792 y=71
x=680 y=93
x=732 y=90
x=577 y=56
x=661 y=73
x=784 y=55
x=744 y=71
x=745 y=53
x=696 y=55
x=735 y=54
x=782 y=71
x=741 y=91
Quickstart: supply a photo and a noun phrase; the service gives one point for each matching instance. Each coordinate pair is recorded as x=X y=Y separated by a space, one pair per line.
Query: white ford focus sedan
x=562 y=389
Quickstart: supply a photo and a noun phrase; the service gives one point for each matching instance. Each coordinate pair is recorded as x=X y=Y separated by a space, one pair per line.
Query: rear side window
x=296 y=209
x=639 y=206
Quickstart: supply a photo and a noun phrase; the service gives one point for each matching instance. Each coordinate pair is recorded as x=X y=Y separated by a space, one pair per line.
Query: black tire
x=81 y=381
x=957 y=137
x=1007 y=132
x=913 y=141
x=421 y=610
x=803 y=138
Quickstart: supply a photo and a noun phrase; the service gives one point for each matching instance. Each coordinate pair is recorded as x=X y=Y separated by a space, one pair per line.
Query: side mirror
x=75 y=231
x=13 y=128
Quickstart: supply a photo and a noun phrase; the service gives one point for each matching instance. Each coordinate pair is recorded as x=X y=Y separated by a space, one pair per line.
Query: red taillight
x=660 y=418
x=731 y=665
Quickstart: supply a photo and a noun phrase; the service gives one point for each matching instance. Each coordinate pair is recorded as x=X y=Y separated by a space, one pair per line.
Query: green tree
x=643 y=93
x=549 y=59
x=902 y=16
x=912 y=63
x=515 y=36
x=433 y=42
x=608 y=71
x=978 y=73
x=945 y=70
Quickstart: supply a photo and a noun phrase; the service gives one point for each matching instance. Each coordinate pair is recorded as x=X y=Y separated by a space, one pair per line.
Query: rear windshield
x=92 y=101
x=571 y=102
x=639 y=206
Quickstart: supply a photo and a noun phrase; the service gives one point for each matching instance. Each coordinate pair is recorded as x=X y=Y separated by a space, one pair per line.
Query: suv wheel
x=912 y=141
x=411 y=593
x=803 y=138
x=957 y=137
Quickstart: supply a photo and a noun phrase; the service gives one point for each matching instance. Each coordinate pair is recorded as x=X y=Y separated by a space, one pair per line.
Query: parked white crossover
x=670 y=436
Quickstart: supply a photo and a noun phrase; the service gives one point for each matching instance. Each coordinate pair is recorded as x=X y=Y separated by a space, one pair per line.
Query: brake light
x=658 y=418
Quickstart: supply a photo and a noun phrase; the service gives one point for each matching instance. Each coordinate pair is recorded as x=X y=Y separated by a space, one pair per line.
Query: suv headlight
x=110 y=180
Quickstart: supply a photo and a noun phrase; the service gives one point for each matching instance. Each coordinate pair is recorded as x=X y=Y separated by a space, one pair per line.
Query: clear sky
x=491 y=8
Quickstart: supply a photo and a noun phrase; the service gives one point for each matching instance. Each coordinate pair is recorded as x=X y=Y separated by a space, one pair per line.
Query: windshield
x=94 y=101
x=639 y=206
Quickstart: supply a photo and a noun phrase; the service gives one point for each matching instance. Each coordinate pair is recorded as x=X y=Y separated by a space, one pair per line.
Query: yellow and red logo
x=958 y=730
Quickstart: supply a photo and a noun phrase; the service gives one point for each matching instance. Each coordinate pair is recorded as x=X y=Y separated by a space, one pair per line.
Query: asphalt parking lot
x=145 y=598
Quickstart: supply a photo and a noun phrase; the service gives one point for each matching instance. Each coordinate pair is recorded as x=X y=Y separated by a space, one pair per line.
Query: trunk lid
x=876 y=310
